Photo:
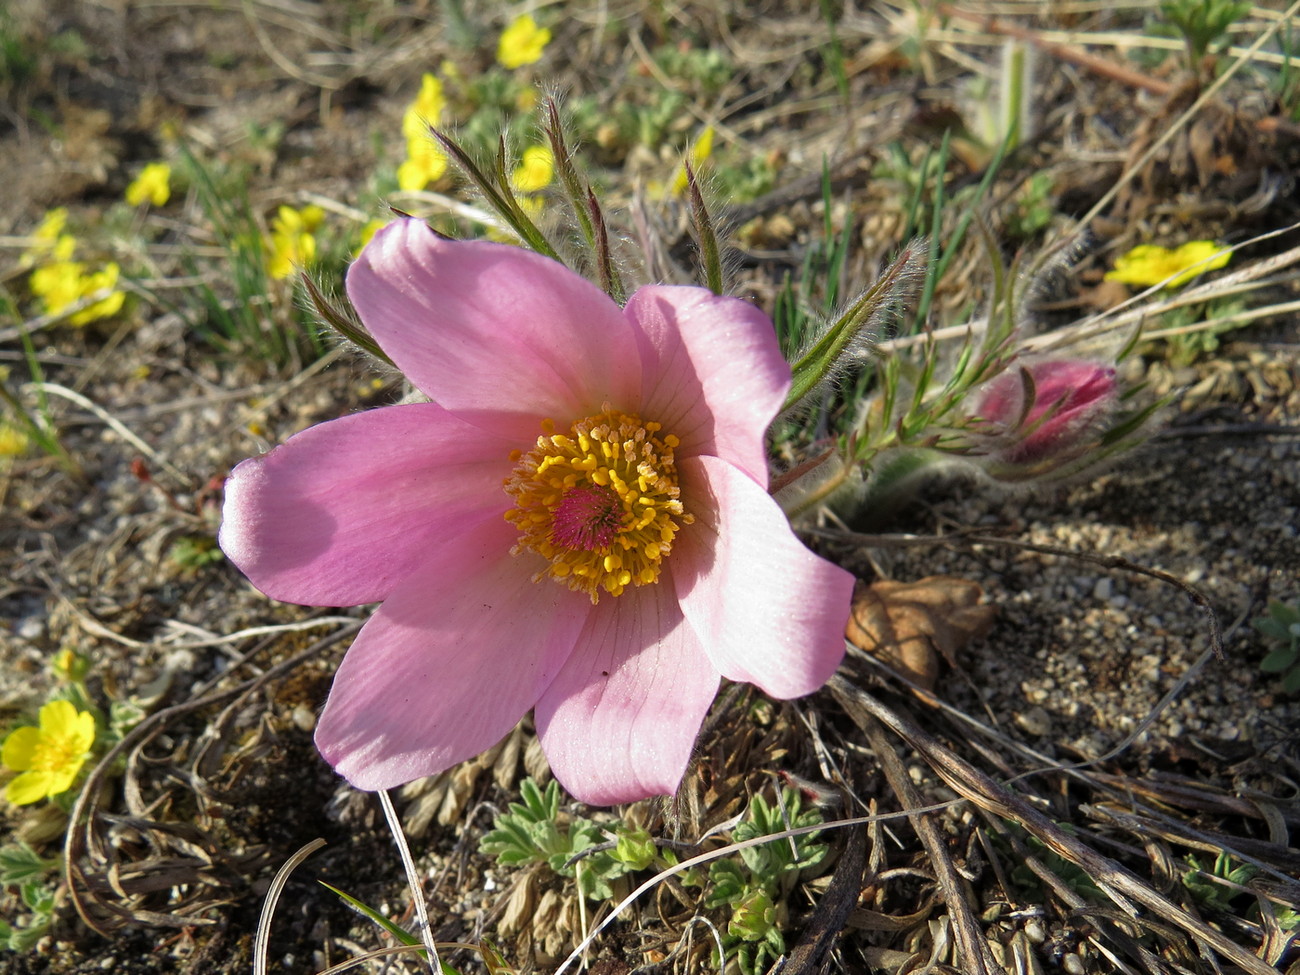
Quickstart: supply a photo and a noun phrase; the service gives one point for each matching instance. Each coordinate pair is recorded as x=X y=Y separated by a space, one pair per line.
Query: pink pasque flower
x=1070 y=399
x=577 y=523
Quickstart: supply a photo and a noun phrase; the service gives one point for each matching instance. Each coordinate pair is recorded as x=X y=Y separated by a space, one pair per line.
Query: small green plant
x=260 y=319
x=533 y=832
x=1203 y=24
x=1033 y=210
x=1024 y=878
x=20 y=864
x=757 y=884
x=190 y=553
x=1285 y=82
x=24 y=868
x=38 y=899
x=1282 y=627
x=1211 y=894
x=18 y=58
x=1188 y=344
x=32 y=426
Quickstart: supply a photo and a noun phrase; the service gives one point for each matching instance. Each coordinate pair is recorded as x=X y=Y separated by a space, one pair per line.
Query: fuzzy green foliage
x=20 y=864
x=1216 y=896
x=189 y=553
x=755 y=886
x=534 y=832
x=24 y=868
x=1181 y=350
x=1034 y=209
x=22 y=935
x=1282 y=627
x=1203 y=24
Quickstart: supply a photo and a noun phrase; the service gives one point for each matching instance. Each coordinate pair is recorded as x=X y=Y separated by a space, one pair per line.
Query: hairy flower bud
x=1044 y=416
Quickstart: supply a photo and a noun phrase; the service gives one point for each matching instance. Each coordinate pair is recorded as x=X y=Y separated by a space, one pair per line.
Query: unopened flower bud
x=1044 y=415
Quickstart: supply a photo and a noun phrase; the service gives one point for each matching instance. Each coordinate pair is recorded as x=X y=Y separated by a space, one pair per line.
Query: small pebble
x=30 y=629
x=304 y=718
x=1035 y=721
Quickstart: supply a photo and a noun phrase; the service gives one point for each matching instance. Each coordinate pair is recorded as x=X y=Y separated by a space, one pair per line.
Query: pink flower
x=1071 y=398
x=578 y=523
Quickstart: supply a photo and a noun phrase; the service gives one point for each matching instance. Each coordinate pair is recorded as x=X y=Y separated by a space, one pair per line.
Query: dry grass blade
x=1120 y=884
x=92 y=866
x=263 y=936
x=971 y=951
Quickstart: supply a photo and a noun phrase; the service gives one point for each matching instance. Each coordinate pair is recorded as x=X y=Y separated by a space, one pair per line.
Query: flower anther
x=601 y=503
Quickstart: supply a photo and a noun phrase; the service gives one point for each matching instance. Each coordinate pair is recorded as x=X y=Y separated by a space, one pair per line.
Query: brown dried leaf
x=521 y=903
x=909 y=625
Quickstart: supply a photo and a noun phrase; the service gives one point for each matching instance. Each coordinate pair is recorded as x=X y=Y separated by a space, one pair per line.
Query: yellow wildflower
x=700 y=151
x=110 y=304
x=526 y=100
x=531 y=205
x=49 y=757
x=425 y=164
x=52 y=224
x=292 y=243
x=425 y=111
x=62 y=284
x=535 y=170
x=1149 y=264
x=13 y=442
x=49 y=240
x=522 y=42
x=153 y=184
x=57 y=284
x=69 y=666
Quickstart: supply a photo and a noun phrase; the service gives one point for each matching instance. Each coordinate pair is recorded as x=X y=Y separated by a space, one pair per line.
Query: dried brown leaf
x=908 y=626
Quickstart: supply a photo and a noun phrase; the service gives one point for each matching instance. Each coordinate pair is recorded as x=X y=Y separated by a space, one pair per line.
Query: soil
x=1110 y=591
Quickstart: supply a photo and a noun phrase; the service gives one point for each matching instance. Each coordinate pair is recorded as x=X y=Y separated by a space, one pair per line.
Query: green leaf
x=1291 y=682
x=1278 y=661
x=19 y=863
x=397 y=931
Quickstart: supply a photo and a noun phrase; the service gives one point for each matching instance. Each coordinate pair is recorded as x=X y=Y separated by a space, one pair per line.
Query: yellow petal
x=83 y=734
x=28 y=788
x=153 y=184
x=522 y=42
x=426 y=110
x=535 y=170
x=20 y=748
x=58 y=719
x=61 y=779
x=1151 y=264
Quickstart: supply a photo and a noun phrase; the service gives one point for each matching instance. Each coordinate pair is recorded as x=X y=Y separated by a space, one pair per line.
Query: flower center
x=54 y=754
x=599 y=503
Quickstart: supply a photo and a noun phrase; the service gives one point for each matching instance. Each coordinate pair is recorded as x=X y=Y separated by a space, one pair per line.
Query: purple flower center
x=586 y=518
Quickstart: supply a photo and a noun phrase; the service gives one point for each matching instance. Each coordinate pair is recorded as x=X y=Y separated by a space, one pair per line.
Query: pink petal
x=767 y=610
x=449 y=664
x=340 y=513
x=619 y=722
x=714 y=375
x=479 y=326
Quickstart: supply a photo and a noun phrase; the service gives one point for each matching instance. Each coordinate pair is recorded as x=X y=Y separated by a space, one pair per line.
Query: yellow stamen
x=600 y=503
